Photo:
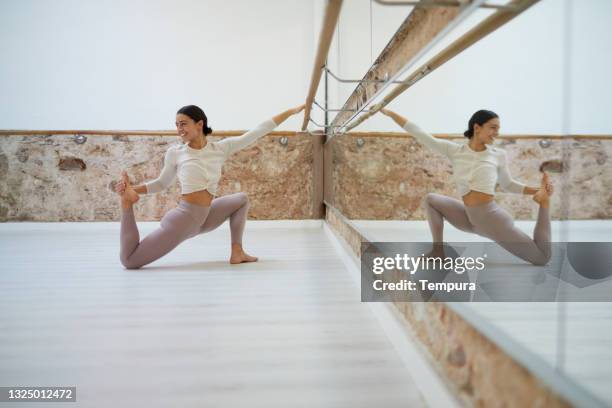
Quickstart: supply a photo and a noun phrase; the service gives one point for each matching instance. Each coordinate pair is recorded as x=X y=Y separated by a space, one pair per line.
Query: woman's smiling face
x=187 y=128
x=487 y=132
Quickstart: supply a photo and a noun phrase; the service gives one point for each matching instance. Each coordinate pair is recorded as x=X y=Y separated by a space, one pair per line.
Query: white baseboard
x=147 y=225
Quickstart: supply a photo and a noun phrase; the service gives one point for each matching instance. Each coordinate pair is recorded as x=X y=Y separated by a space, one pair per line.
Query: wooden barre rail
x=230 y=133
x=484 y=28
x=422 y=28
x=332 y=11
x=460 y=136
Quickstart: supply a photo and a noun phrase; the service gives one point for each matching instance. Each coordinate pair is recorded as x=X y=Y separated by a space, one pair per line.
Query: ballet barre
x=442 y=3
x=481 y=30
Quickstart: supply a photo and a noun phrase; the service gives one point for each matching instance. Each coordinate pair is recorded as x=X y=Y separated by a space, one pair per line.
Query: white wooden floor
x=575 y=338
x=190 y=329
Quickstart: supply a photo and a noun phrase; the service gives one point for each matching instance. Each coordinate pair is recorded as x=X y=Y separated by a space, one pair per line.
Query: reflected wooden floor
x=579 y=347
x=190 y=329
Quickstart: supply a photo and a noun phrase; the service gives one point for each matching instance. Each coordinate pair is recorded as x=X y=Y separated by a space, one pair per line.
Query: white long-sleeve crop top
x=200 y=169
x=472 y=170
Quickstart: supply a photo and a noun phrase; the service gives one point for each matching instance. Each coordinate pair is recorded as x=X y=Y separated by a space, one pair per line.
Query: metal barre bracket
x=332 y=110
x=323 y=126
x=336 y=110
x=360 y=81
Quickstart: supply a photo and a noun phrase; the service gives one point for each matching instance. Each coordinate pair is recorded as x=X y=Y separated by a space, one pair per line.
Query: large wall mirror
x=546 y=75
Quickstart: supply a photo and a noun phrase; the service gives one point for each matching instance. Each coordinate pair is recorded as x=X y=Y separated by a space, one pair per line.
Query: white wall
x=591 y=66
x=92 y=64
x=517 y=71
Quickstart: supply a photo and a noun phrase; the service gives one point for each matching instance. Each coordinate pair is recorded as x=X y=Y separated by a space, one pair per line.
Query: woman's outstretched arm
x=120 y=187
x=530 y=190
x=505 y=180
x=426 y=139
x=166 y=177
x=233 y=144
x=140 y=189
x=508 y=183
x=281 y=117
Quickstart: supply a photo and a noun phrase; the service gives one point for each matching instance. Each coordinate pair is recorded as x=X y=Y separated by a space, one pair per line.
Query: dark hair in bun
x=197 y=114
x=480 y=117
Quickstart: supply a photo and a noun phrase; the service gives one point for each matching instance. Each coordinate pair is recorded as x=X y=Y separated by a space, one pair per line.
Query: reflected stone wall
x=386 y=178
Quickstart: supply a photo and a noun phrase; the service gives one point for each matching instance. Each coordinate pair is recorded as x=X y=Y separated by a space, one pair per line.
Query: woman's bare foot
x=239 y=256
x=542 y=197
x=437 y=251
x=125 y=190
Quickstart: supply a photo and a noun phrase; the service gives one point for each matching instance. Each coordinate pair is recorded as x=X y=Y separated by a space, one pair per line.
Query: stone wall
x=387 y=177
x=53 y=178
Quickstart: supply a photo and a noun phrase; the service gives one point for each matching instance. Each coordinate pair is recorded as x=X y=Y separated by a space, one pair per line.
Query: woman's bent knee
x=430 y=199
x=129 y=264
x=541 y=260
x=243 y=199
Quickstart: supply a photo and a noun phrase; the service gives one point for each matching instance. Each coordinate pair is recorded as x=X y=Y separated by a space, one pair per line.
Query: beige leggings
x=491 y=221
x=181 y=223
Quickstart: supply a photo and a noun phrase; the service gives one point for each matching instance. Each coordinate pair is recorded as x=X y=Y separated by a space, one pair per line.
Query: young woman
x=197 y=163
x=477 y=168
